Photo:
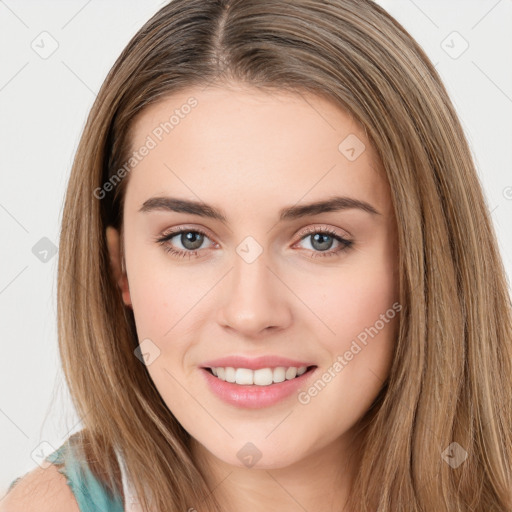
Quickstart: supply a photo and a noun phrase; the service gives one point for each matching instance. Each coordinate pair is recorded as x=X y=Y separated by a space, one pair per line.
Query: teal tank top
x=89 y=493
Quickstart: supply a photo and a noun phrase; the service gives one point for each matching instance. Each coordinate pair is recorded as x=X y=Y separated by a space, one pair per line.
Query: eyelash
x=344 y=243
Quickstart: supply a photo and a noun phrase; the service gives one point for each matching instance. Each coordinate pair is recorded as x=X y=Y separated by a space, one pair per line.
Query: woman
x=279 y=284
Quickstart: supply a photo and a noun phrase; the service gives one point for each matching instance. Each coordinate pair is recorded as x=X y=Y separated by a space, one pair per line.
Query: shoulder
x=41 y=490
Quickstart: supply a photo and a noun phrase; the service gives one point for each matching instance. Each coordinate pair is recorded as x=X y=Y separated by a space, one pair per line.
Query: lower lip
x=253 y=396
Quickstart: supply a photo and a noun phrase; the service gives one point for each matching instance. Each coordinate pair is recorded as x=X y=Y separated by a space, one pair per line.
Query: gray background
x=44 y=101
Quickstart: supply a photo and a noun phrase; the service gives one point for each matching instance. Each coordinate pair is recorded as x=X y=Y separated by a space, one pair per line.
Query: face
x=250 y=271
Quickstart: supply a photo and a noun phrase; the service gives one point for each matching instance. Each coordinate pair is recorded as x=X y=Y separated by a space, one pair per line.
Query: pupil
x=191 y=240
x=323 y=245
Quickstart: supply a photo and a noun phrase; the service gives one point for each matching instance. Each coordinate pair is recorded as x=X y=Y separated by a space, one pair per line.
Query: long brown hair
x=451 y=376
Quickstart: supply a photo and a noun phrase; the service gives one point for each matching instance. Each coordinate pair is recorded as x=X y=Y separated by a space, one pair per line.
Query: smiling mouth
x=261 y=377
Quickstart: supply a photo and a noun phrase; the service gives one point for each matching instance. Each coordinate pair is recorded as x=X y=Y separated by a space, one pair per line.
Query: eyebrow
x=334 y=204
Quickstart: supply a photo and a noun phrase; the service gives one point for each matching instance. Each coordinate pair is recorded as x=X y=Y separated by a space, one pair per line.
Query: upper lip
x=254 y=363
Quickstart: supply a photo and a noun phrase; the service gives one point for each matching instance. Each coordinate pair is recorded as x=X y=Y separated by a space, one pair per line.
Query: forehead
x=253 y=147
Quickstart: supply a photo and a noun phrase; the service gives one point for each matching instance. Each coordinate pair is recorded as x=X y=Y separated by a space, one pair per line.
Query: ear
x=117 y=263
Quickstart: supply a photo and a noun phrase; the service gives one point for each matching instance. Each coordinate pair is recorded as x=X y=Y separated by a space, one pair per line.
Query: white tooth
x=263 y=377
x=230 y=374
x=279 y=374
x=244 y=376
x=291 y=373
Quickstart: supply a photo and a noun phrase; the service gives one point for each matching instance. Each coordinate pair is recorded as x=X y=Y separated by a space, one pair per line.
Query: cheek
x=162 y=296
x=163 y=301
x=362 y=311
x=355 y=298
x=360 y=307
x=150 y=298
x=360 y=303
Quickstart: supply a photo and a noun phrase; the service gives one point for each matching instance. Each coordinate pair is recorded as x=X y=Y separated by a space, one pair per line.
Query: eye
x=192 y=239
x=321 y=240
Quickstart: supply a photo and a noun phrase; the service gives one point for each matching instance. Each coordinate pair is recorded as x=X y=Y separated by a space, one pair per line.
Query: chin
x=255 y=456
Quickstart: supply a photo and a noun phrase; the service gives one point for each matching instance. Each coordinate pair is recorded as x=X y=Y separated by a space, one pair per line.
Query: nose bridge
x=252 y=281
x=251 y=270
x=254 y=299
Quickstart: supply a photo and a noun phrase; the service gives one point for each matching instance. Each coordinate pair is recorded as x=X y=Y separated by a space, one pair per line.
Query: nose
x=255 y=299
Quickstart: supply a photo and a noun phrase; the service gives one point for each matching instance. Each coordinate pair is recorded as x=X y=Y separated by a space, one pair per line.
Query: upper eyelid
x=316 y=227
x=183 y=229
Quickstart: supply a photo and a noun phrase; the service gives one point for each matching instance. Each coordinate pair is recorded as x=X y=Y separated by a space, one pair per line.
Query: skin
x=251 y=153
